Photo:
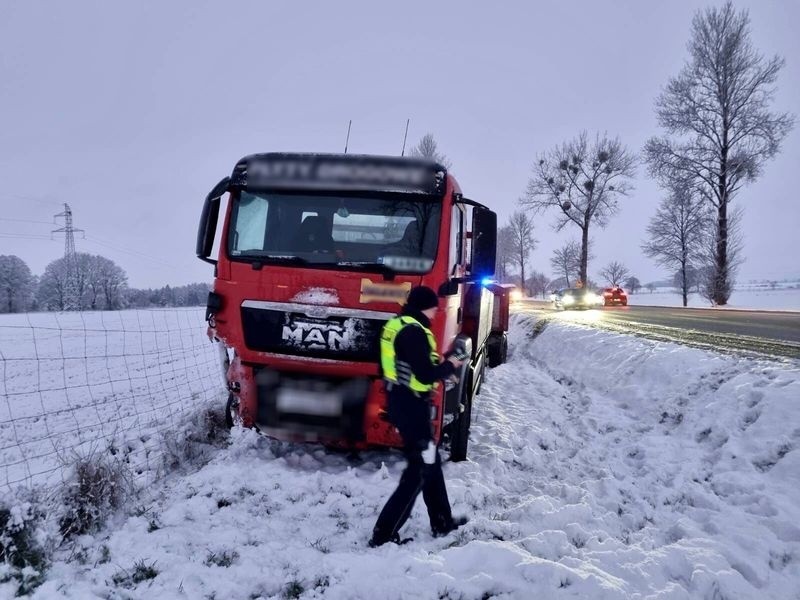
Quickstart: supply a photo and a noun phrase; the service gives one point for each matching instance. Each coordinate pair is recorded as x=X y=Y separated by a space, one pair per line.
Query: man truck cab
x=316 y=253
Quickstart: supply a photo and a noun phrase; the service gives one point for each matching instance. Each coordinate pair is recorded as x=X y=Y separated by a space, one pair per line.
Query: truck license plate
x=305 y=402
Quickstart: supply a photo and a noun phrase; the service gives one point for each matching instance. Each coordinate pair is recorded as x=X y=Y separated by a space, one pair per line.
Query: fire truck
x=315 y=253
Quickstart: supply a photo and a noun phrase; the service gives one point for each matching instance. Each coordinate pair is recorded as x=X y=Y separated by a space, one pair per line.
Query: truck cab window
x=250 y=224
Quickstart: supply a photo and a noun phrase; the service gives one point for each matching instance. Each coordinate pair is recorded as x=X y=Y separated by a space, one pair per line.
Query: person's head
x=422 y=299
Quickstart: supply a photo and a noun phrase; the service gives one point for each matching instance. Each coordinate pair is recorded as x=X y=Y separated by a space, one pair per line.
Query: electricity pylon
x=72 y=299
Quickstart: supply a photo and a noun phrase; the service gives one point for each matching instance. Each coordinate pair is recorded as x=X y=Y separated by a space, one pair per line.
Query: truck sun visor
x=345 y=172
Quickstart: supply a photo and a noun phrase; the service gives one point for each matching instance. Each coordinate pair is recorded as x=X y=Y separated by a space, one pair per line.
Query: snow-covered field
x=746 y=297
x=601 y=466
x=77 y=383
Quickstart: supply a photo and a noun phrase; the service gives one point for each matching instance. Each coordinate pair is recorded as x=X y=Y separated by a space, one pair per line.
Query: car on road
x=576 y=298
x=614 y=296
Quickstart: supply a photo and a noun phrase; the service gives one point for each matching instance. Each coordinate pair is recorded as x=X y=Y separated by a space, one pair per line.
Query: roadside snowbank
x=601 y=466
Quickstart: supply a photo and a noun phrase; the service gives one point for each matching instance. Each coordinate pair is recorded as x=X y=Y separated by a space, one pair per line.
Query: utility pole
x=72 y=299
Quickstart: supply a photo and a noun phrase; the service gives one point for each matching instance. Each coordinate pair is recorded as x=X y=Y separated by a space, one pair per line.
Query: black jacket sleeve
x=411 y=346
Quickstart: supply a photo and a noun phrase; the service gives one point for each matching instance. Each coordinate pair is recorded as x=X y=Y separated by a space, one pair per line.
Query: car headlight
x=568 y=300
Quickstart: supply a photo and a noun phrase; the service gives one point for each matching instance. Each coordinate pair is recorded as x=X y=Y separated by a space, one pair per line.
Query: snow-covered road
x=601 y=466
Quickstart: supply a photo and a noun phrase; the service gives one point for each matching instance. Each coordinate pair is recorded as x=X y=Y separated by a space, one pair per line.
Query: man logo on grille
x=316 y=336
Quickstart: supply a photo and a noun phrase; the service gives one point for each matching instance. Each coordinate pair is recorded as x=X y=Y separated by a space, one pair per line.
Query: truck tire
x=459 y=430
x=497 y=349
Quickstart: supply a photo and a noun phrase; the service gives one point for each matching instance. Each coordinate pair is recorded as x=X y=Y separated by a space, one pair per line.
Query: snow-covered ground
x=601 y=466
x=747 y=297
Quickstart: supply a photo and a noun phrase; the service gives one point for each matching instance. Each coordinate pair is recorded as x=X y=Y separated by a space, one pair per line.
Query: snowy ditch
x=601 y=466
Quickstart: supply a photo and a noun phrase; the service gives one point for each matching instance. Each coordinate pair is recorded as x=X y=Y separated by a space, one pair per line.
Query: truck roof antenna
x=405 y=137
x=347 y=141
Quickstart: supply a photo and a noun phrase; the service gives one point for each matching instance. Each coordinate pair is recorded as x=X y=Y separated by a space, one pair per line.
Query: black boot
x=377 y=540
x=450 y=526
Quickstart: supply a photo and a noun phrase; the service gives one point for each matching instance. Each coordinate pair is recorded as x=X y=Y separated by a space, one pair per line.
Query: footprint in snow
x=767 y=463
x=750 y=417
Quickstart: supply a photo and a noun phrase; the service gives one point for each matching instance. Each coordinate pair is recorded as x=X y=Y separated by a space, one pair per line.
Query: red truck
x=316 y=253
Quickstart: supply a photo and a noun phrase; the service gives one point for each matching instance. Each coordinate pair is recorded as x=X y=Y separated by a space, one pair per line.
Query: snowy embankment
x=601 y=466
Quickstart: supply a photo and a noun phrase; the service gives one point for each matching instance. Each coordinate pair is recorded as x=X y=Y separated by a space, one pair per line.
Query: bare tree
x=51 y=293
x=566 y=261
x=522 y=241
x=106 y=281
x=538 y=283
x=691 y=279
x=633 y=284
x=99 y=282
x=651 y=287
x=505 y=251
x=676 y=235
x=16 y=284
x=707 y=278
x=614 y=272
x=582 y=180
x=716 y=114
x=428 y=148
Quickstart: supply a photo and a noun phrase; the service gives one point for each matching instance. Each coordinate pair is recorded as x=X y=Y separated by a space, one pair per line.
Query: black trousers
x=417 y=477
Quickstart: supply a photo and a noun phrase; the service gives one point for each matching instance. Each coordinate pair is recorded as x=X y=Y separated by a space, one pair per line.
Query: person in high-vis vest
x=411 y=371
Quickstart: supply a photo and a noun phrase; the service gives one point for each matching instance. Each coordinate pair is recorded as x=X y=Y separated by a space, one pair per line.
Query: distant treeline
x=92 y=282
x=194 y=294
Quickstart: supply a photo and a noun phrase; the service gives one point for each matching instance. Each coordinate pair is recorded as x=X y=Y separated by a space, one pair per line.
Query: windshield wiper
x=297 y=260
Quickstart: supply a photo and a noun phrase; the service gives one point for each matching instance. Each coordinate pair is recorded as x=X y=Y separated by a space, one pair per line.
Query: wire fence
x=72 y=384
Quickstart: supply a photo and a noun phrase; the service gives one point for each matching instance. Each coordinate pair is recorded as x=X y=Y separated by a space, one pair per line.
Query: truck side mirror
x=208 y=221
x=484 y=243
x=449 y=288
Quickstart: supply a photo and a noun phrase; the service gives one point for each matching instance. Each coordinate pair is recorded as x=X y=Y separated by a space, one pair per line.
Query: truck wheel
x=459 y=430
x=232 y=412
x=497 y=349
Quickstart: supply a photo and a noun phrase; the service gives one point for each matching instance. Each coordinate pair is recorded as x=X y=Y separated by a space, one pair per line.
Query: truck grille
x=313 y=331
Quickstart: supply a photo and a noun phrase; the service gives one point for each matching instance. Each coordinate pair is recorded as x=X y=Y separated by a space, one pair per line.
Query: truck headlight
x=569 y=300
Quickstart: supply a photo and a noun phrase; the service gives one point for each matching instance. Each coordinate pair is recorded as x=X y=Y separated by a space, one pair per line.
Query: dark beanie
x=421 y=298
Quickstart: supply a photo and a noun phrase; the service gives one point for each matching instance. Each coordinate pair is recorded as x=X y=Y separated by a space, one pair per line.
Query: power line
x=27 y=236
x=26 y=221
x=132 y=252
x=18 y=197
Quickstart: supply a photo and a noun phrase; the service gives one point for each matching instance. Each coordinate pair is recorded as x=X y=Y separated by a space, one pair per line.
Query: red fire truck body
x=316 y=253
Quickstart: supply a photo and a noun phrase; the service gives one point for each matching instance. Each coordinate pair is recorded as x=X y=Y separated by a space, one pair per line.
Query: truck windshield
x=366 y=232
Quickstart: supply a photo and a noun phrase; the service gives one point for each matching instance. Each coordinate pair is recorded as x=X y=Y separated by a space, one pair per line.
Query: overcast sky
x=132 y=112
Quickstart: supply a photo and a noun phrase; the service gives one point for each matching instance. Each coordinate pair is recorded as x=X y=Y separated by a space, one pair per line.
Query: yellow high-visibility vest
x=400 y=373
